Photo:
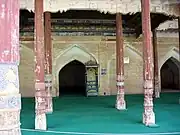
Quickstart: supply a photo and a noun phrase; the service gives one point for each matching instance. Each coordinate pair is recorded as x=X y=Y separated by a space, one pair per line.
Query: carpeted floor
x=98 y=115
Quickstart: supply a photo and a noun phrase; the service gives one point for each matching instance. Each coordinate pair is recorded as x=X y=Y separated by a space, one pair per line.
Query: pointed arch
x=173 y=52
x=131 y=52
x=170 y=74
x=132 y=49
x=73 y=52
x=72 y=79
x=68 y=55
x=136 y=51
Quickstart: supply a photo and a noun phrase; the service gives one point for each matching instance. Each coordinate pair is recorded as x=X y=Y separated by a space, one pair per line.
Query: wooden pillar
x=120 y=102
x=40 y=95
x=10 y=99
x=156 y=68
x=179 y=42
x=148 y=115
x=179 y=29
x=48 y=62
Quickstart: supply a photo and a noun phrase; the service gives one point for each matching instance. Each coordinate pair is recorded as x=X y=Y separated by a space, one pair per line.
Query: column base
x=156 y=87
x=10 y=122
x=40 y=122
x=49 y=109
x=149 y=118
x=121 y=104
x=11 y=132
x=157 y=94
x=49 y=102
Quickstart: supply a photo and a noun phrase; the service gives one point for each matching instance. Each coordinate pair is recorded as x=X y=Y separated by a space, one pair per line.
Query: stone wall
x=100 y=49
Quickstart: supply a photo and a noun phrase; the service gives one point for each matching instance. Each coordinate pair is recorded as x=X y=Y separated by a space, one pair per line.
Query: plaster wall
x=100 y=49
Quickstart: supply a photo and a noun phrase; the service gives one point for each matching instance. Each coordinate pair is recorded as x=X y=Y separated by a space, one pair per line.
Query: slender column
x=179 y=28
x=179 y=40
x=40 y=95
x=156 y=69
x=48 y=62
x=148 y=115
x=120 y=102
x=10 y=99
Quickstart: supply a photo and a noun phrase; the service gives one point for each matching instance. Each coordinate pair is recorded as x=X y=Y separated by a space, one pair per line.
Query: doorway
x=72 y=79
x=170 y=76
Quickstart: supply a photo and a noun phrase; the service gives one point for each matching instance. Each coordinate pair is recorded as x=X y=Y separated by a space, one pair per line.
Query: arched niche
x=68 y=55
x=132 y=71
x=170 y=75
x=172 y=54
x=72 y=79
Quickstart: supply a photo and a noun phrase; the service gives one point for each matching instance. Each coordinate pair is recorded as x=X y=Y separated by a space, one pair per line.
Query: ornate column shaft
x=40 y=95
x=48 y=62
x=10 y=99
x=156 y=68
x=148 y=115
x=120 y=102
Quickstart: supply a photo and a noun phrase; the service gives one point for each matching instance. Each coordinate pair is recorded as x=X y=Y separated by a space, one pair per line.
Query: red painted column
x=48 y=62
x=156 y=68
x=179 y=40
x=10 y=99
x=179 y=28
x=120 y=102
x=148 y=115
x=40 y=95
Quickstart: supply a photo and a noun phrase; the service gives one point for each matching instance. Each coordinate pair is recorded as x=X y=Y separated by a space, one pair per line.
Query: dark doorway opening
x=72 y=79
x=170 y=75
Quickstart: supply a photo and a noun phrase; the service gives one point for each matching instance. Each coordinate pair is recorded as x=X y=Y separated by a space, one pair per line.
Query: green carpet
x=98 y=115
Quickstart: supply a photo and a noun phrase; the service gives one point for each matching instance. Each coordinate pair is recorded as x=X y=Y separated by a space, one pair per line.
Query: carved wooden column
x=120 y=102
x=10 y=99
x=148 y=115
x=48 y=62
x=156 y=68
x=40 y=95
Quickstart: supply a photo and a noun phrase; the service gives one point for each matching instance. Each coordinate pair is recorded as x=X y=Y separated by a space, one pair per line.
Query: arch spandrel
x=74 y=52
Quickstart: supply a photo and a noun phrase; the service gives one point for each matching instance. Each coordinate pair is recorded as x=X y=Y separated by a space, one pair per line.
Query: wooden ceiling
x=132 y=20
